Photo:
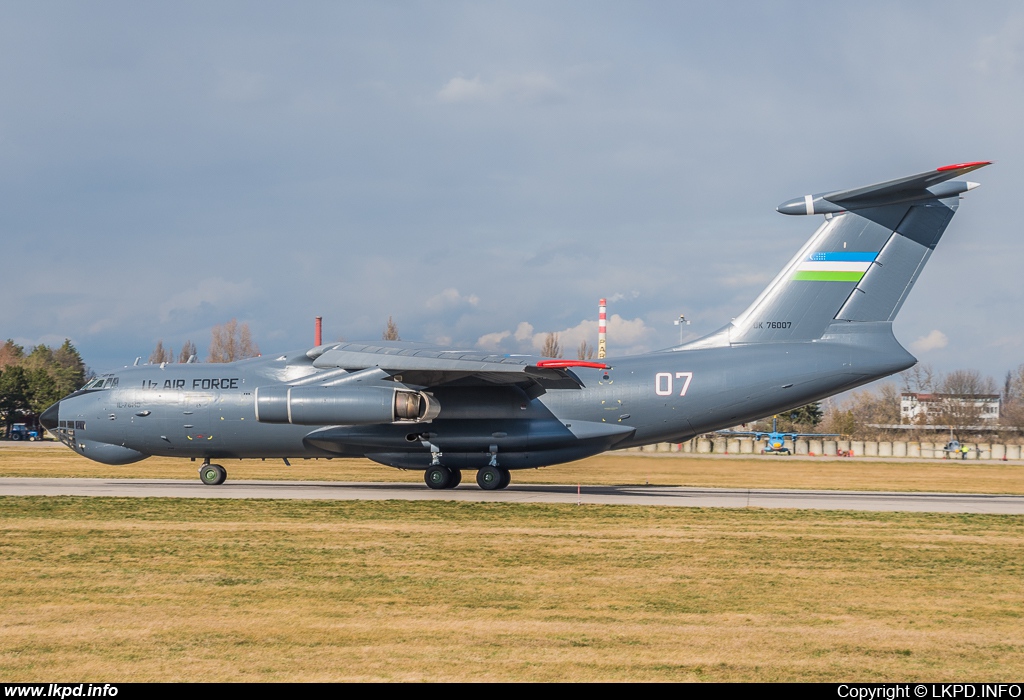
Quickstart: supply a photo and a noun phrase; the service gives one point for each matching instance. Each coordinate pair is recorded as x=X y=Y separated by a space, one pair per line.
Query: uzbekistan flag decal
x=834 y=267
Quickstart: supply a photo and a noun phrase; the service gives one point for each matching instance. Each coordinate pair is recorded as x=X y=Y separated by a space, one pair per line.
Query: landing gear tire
x=438 y=477
x=493 y=478
x=456 y=478
x=213 y=474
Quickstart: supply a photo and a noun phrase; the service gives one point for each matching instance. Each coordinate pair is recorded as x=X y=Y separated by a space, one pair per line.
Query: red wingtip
x=562 y=364
x=958 y=166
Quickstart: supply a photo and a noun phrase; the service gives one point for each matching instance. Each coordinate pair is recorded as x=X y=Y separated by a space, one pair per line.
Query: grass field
x=166 y=589
x=617 y=468
x=169 y=589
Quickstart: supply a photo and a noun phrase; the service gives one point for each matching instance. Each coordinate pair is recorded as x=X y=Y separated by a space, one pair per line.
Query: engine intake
x=366 y=405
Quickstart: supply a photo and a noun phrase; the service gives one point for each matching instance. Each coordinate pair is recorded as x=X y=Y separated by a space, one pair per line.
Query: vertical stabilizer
x=863 y=260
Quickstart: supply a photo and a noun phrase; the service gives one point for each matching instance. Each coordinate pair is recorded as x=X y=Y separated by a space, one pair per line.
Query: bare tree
x=839 y=419
x=1016 y=378
x=552 y=348
x=964 y=391
x=585 y=351
x=187 y=351
x=1012 y=413
x=919 y=379
x=161 y=354
x=11 y=354
x=390 y=331
x=231 y=341
x=864 y=409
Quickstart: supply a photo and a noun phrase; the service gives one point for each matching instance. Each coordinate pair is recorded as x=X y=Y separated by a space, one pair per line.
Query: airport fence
x=838 y=448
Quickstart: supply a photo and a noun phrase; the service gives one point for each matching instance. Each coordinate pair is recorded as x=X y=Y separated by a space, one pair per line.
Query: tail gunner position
x=823 y=326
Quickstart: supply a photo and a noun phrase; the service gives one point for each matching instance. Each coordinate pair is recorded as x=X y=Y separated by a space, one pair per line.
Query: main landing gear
x=212 y=474
x=493 y=477
x=440 y=477
x=489 y=478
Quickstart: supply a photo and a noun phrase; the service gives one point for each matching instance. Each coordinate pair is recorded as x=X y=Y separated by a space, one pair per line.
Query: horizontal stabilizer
x=932 y=184
x=859 y=265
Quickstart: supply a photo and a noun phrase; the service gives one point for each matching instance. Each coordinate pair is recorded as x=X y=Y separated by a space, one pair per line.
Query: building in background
x=935 y=408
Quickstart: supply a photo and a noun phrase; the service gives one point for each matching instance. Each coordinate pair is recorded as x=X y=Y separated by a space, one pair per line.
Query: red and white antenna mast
x=602 y=328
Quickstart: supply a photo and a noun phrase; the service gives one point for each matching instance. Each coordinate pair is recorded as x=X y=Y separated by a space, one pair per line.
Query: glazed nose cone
x=49 y=417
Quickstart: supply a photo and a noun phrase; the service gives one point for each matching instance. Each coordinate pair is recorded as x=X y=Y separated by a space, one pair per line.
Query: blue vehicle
x=20 y=431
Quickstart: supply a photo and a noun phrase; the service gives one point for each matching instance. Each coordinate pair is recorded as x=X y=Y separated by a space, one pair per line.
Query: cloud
x=214 y=291
x=492 y=341
x=619 y=296
x=1001 y=52
x=748 y=279
x=936 y=340
x=451 y=299
x=462 y=90
x=527 y=87
x=523 y=332
x=625 y=337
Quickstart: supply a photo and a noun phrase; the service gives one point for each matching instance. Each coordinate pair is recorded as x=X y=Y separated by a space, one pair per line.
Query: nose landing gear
x=212 y=474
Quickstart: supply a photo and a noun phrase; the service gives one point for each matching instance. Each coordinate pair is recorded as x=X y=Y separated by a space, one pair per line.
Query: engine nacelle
x=365 y=405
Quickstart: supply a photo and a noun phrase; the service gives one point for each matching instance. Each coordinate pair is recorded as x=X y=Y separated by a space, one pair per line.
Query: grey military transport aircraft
x=823 y=326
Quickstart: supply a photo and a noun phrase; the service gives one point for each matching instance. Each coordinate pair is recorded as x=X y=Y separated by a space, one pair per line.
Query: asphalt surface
x=525 y=493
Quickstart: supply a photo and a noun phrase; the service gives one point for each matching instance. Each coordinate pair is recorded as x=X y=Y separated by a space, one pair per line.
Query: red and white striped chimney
x=602 y=328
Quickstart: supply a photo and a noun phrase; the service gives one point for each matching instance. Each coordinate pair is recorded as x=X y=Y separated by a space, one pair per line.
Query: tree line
x=228 y=342
x=30 y=382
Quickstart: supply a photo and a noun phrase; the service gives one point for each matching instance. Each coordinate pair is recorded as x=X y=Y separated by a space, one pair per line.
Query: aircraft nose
x=49 y=417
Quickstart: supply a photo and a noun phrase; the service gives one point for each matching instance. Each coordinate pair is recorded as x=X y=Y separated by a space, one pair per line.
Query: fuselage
x=209 y=411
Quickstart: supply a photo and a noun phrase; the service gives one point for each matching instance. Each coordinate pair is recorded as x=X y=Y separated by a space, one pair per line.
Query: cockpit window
x=107 y=382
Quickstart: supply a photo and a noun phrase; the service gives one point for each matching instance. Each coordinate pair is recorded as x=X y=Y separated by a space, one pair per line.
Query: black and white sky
x=484 y=172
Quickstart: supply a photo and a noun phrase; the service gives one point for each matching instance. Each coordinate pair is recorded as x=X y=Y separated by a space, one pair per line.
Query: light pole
x=681 y=322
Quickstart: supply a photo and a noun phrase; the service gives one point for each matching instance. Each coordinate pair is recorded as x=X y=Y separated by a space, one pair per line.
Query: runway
x=590 y=495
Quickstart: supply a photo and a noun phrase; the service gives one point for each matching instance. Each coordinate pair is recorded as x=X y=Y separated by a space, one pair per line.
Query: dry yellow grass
x=616 y=468
x=166 y=589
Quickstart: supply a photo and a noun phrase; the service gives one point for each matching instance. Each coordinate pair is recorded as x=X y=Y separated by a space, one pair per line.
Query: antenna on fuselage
x=137 y=360
x=191 y=359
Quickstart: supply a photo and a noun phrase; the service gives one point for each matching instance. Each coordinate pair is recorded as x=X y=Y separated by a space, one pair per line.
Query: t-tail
x=859 y=265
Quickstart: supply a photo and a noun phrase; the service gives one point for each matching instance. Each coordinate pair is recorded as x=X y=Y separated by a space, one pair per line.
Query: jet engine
x=365 y=405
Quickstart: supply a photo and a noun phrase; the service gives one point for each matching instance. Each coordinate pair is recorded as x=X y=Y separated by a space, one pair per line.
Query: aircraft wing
x=428 y=366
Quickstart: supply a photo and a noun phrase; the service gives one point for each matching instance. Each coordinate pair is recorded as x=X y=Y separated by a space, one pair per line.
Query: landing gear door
x=195 y=417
